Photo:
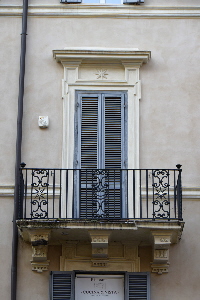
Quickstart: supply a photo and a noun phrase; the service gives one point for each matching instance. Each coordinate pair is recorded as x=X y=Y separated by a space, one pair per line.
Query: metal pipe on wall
x=18 y=151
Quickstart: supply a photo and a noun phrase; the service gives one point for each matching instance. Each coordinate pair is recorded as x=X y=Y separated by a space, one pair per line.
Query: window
x=104 y=1
x=100 y=130
x=100 y=144
x=68 y=286
x=81 y=66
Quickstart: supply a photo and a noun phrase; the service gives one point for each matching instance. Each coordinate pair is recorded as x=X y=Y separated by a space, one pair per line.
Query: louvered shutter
x=62 y=286
x=88 y=132
x=137 y=286
x=100 y=154
x=133 y=1
x=113 y=151
x=70 y=1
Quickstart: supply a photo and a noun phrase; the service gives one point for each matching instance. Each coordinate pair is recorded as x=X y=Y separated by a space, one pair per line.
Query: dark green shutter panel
x=138 y=286
x=70 y=1
x=62 y=286
x=133 y=1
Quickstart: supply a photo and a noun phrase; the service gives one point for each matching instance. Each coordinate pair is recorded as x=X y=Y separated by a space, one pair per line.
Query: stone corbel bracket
x=39 y=242
x=162 y=242
x=99 y=241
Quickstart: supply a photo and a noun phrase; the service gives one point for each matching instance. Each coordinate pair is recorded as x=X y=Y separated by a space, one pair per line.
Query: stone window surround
x=100 y=69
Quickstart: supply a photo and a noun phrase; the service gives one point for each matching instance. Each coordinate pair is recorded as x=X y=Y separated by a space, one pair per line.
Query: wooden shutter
x=133 y=1
x=89 y=132
x=113 y=132
x=100 y=146
x=88 y=148
x=113 y=151
x=137 y=286
x=62 y=286
x=70 y=1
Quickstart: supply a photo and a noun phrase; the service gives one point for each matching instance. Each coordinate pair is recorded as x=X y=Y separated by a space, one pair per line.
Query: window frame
x=77 y=128
x=101 y=95
x=123 y=67
x=135 y=2
x=72 y=274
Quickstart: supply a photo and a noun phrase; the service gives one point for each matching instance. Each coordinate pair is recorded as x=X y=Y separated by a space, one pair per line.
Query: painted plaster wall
x=6 y=212
x=169 y=131
x=9 y=70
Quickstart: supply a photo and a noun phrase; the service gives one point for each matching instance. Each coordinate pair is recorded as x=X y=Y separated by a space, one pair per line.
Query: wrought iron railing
x=106 y=194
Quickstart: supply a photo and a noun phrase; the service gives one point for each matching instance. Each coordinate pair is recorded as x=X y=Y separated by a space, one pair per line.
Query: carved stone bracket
x=39 y=242
x=160 y=268
x=40 y=266
x=99 y=243
x=162 y=241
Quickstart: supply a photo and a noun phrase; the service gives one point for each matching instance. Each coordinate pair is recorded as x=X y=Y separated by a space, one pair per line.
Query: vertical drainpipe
x=18 y=151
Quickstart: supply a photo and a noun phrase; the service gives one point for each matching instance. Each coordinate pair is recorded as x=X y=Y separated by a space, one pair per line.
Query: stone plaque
x=102 y=287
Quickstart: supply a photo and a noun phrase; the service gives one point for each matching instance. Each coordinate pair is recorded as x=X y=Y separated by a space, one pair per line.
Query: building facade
x=106 y=198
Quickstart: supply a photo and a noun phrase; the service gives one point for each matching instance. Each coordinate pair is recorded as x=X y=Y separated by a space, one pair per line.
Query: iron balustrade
x=100 y=194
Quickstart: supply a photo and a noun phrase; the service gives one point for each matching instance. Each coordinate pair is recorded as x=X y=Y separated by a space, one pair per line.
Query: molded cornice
x=107 y=11
x=121 y=55
x=192 y=193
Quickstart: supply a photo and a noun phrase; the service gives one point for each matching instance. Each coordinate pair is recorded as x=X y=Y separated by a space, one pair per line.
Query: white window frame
x=123 y=75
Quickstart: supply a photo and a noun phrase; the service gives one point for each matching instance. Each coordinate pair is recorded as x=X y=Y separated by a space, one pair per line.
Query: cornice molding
x=192 y=193
x=104 y=11
x=123 y=56
x=6 y=190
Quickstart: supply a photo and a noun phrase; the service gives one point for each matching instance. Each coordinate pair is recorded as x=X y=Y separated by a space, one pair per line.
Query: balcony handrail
x=81 y=169
x=102 y=194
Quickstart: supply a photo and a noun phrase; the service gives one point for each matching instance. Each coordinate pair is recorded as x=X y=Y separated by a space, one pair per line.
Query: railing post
x=179 y=192
x=21 y=191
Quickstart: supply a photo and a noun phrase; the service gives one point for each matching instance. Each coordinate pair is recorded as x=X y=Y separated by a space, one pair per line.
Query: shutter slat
x=138 y=285
x=62 y=286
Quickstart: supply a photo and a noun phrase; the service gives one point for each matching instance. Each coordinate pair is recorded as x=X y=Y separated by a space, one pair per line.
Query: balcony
x=121 y=204
x=101 y=195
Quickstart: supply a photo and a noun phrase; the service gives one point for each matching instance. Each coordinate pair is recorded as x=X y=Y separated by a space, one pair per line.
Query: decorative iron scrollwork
x=39 y=192
x=100 y=191
x=161 y=203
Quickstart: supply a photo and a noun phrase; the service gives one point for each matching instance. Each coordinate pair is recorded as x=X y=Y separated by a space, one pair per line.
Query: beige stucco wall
x=9 y=69
x=168 y=115
x=6 y=212
x=169 y=129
